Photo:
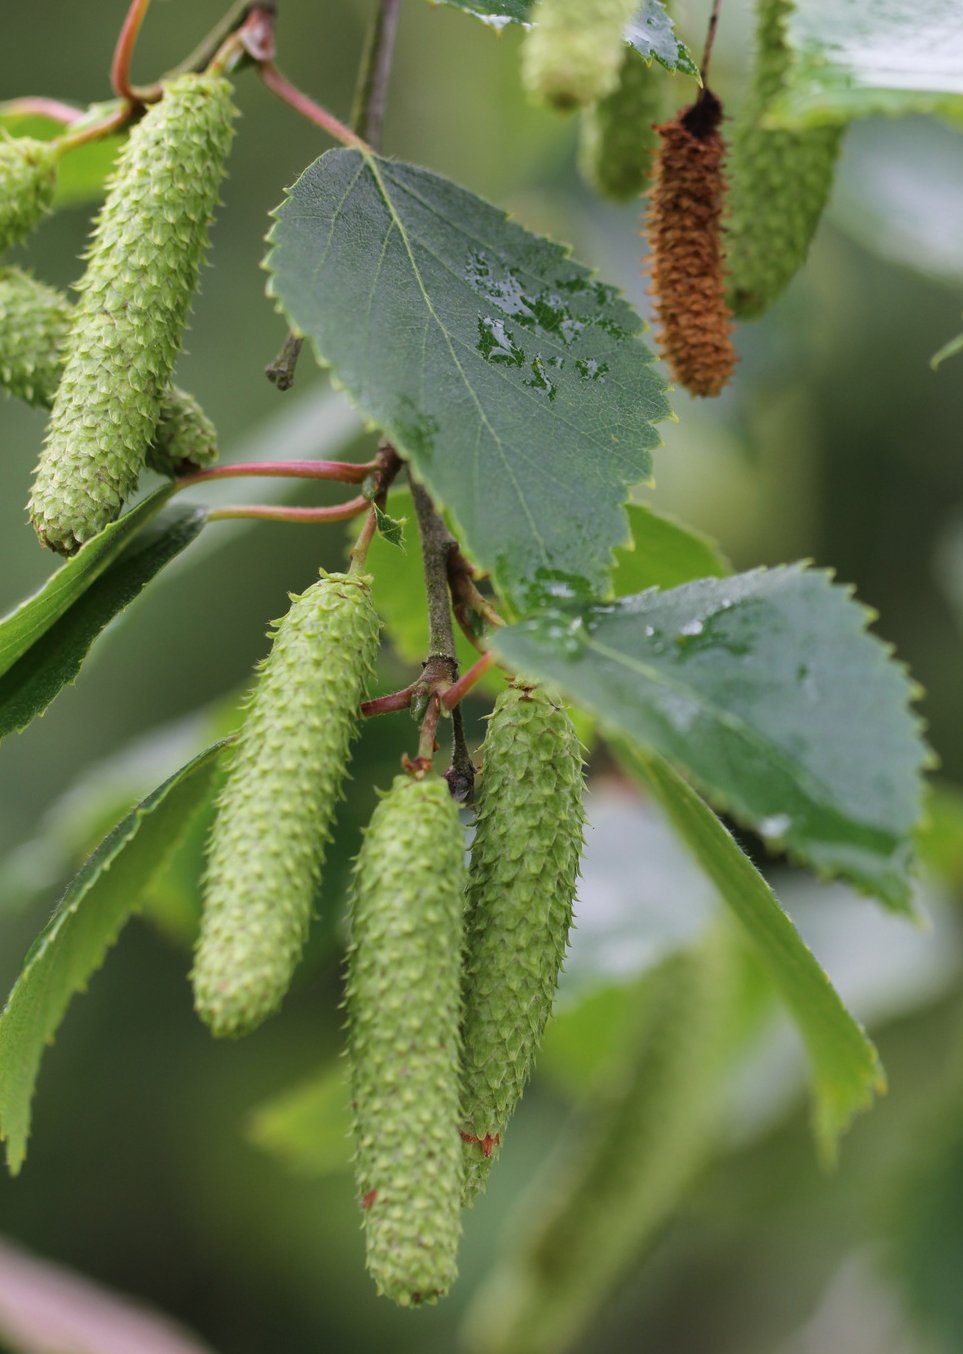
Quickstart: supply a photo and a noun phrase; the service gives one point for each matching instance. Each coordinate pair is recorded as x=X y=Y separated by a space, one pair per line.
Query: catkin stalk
x=34 y=325
x=28 y=176
x=522 y=880
x=275 y=812
x=404 y=970
x=618 y=135
x=129 y=321
x=779 y=181
x=573 y=52
x=684 y=234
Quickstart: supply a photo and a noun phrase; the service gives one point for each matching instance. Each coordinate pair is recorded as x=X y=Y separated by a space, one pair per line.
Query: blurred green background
x=835 y=442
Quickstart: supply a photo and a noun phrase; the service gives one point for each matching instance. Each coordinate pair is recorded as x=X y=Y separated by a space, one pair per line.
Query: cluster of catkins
x=727 y=231
x=451 y=970
x=103 y=366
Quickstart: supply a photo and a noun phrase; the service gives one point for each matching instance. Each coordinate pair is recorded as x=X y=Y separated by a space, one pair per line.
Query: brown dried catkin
x=685 y=244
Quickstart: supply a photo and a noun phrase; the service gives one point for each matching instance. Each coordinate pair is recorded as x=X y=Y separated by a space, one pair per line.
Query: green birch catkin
x=403 y=997
x=34 y=325
x=522 y=879
x=275 y=812
x=28 y=176
x=128 y=324
x=618 y=136
x=573 y=51
x=779 y=181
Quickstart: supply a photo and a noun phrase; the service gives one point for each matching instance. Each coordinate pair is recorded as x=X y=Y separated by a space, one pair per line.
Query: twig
x=37 y=105
x=112 y=123
x=461 y=774
x=458 y=690
x=386 y=705
x=269 y=512
x=124 y=50
x=301 y=103
x=344 y=472
x=280 y=372
x=710 y=40
x=387 y=463
x=371 y=95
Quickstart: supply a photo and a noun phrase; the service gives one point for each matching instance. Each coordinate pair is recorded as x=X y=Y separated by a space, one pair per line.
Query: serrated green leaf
x=948 y=350
x=23 y=627
x=767 y=689
x=651 y=32
x=308 y=1127
x=664 y=554
x=391 y=528
x=82 y=173
x=512 y=379
x=846 y=1070
x=855 y=60
x=85 y=924
x=53 y=660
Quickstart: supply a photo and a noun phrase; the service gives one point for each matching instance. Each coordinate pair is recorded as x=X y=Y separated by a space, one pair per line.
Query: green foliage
x=74 y=942
x=845 y=1066
x=779 y=181
x=307 y=1128
x=664 y=553
x=614 y=1180
x=82 y=171
x=573 y=51
x=521 y=885
x=127 y=328
x=525 y=378
x=276 y=809
x=55 y=657
x=618 y=139
x=404 y=1004
x=767 y=689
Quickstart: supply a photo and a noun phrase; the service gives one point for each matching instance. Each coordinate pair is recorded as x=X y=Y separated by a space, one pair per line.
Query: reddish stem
x=257 y=33
x=306 y=106
x=345 y=472
x=112 y=123
x=387 y=705
x=124 y=50
x=36 y=105
x=458 y=690
x=342 y=512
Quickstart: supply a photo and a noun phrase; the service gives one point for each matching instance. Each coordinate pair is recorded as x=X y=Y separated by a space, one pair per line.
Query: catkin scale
x=618 y=136
x=779 y=181
x=573 y=50
x=403 y=1000
x=686 y=255
x=522 y=880
x=275 y=811
x=28 y=176
x=129 y=320
x=34 y=325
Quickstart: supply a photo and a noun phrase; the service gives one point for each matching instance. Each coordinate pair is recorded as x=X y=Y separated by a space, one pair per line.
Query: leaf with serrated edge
x=664 y=554
x=855 y=60
x=651 y=32
x=768 y=690
x=85 y=924
x=24 y=626
x=512 y=379
x=56 y=657
x=846 y=1070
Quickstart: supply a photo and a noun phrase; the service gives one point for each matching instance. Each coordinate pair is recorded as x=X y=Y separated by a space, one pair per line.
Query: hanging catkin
x=618 y=137
x=686 y=258
x=28 y=175
x=34 y=325
x=521 y=884
x=275 y=812
x=573 y=50
x=129 y=321
x=779 y=181
x=403 y=998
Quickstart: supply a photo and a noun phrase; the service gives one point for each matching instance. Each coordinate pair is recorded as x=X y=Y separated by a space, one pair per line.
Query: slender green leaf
x=948 y=350
x=857 y=60
x=391 y=528
x=513 y=380
x=845 y=1066
x=55 y=658
x=23 y=627
x=86 y=923
x=308 y=1127
x=651 y=31
x=664 y=554
x=768 y=690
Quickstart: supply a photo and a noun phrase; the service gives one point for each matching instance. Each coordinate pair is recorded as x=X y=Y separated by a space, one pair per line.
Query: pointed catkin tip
x=685 y=243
